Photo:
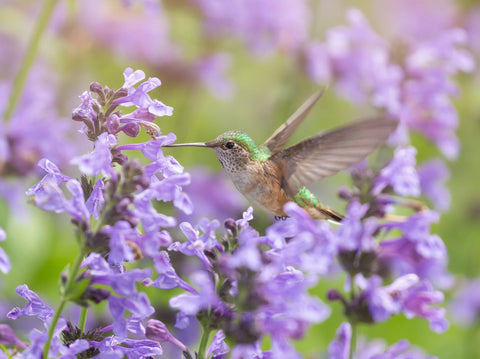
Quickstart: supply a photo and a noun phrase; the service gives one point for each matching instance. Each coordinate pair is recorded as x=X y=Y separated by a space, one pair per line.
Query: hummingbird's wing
x=277 y=141
x=330 y=152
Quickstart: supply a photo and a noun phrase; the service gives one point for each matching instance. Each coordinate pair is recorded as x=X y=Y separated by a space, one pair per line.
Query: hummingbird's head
x=235 y=149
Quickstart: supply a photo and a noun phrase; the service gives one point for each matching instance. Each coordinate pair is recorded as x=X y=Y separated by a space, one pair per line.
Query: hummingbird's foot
x=280 y=218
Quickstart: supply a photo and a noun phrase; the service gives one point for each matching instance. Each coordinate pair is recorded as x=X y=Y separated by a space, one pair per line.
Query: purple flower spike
x=465 y=306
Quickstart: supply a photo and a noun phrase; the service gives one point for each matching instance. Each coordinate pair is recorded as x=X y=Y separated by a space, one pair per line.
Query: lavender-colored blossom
x=8 y=337
x=400 y=174
x=139 y=307
x=133 y=33
x=417 y=250
x=156 y=330
x=198 y=243
x=191 y=304
x=73 y=349
x=218 y=349
x=168 y=278
x=286 y=293
x=405 y=295
x=100 y=159
x=465 y=306
x=34 y=308
x=339 y=348
x=123 y=283
x=140 y=98
x=211 y=71
x=265 y=25
x=432 y=174
x=5 y=265
x=96 y=200
x=312 y=245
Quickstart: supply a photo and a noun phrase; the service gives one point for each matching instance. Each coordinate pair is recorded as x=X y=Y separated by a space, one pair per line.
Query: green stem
x=63 y=300
x=353 y=342
x=204 y=341
x=27 y=61
x=83 y=319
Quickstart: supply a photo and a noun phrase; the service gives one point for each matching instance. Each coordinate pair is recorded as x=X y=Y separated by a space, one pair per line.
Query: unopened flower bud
x=158 y=331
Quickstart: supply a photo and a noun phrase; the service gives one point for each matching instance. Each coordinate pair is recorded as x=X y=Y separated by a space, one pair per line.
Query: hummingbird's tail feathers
x=330 y=214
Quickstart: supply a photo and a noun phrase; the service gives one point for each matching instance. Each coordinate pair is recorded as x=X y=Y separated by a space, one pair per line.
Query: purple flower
x=120 y=233
x=96 y=201
x=168 y=278
x=158 y=331
x=218 y=349
x=405 y=295
x=432 y=174
x=198 y=243
x=139 y=96
x=138 y=305
x=8 y=337
x=417 y=250
x=191 y=304
x=312 y=245
x=400 y=174
x=265 y=25
x=355 y=235
x=465 y=306
x=340 y=347
x=5 y=265
x=100 y=159
x=123 y=283
x=34 y=308
x=73 y=349
x=211 y=71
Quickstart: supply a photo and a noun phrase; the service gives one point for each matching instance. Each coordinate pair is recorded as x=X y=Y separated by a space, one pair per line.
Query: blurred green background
x=266 y=91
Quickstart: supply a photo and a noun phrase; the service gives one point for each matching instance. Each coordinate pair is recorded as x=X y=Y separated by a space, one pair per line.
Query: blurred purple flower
x=400 y=174
x=133 y=33
x=8 y=337
x=417 y=250
x=5 y=265
x=266 y=25
x=211 y=71
x=339 y=348
x=213 y=196
x=465 y=306
x=432 y=174
x=218 y=349
x=405 y=295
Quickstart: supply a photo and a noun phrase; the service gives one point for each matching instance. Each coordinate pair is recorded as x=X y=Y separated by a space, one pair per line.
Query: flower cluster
x=412 y=82
x=111 y=207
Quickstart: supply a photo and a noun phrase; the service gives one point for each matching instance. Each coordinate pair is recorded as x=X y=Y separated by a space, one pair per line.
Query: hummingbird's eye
x=230 y=145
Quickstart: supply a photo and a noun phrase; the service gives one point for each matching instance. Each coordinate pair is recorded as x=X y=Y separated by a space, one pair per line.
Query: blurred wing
x=330 y=152
x=277 y=141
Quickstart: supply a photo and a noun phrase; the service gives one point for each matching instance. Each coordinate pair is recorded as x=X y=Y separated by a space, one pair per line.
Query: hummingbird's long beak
x=191 y=144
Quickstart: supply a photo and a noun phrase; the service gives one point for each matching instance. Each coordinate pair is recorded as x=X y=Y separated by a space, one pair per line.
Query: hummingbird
x=270 y=175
